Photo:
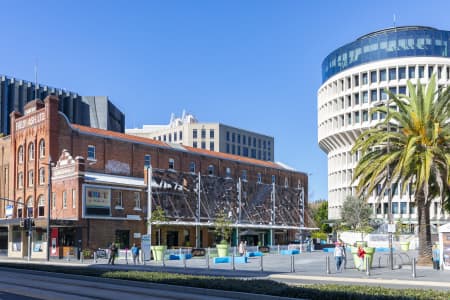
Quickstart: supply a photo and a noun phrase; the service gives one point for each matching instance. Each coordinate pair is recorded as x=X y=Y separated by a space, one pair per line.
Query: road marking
x=363 y=280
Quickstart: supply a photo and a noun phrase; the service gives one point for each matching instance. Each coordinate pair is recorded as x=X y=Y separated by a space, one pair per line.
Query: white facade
x=344 y=101
x=210 y=136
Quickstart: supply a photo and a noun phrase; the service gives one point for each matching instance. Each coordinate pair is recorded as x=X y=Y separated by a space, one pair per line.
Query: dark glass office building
x=92 y=111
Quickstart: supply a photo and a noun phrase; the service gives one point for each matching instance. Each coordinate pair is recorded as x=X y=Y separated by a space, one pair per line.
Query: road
x=25 y=284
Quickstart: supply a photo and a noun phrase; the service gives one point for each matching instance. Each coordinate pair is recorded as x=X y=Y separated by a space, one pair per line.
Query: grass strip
x=255 y=286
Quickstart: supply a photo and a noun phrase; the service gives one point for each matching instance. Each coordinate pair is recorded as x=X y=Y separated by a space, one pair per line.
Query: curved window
x=41 y=206
x=384 y=44
x=31 y=151
x=41 y=176
x=30 y=206
x=31 y=178
x=20 y=155
x=42 y=148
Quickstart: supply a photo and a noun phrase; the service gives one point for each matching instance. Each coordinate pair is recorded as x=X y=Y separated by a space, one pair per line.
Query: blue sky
x=250 y=64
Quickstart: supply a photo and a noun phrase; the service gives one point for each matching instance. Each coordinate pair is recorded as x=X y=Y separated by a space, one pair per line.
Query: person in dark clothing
x=112 y=253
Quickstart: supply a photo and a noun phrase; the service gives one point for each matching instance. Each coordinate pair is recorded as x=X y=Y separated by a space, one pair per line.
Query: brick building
x=99 y=187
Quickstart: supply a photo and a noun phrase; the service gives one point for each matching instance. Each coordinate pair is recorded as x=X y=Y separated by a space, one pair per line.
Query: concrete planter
x=404 y=246
x=359 y=263
x=222 y=250
x=158 y=252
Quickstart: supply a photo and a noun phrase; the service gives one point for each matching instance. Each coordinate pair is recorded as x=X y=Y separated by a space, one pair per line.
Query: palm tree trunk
x=425 y=244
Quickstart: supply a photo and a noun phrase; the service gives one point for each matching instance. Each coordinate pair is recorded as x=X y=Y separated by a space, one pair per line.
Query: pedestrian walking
x=135 y=253
x=339 y=255
x=112 y=253
x=361 y=254
x=241 y=248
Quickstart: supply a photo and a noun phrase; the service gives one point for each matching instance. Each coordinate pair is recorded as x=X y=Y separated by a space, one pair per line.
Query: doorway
x=172 y=239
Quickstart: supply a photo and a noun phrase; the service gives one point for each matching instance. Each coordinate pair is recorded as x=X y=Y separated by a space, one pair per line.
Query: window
x=349 y=118
x=170 y=137
x=41 y=206
x=20 y=180
x=64 y=199
x=385 y=208
x=53 y=200
x=194 y=144
x=210 y=170
x=392 y=74
x=174 y=136
x=192 y=167
x=41 y=176
x=171 y=164
x=194 y=133
x=233 y=149
x=286 y=182
x=430 y=71
x=411 y=72
x=395 y=207
x=203 y=133
x=211 y=133
x=211 y=146
x=273 y=178
x=147 y=160
x=374 y=116
x=421 y=71
x=383 y=95
x=74 y=198
x=356 y=116
x=412 y=208
x=258 y=178
x=254 y=142
x=31 y=151
x=378 y=208
x=228 y=172
x=365 y=78
x=42 y=148
x=244 y=175
x=245 y=151
x=244 y=139
x=233 y=137
x=91 y=152
x=118 y=199
x=137 y=200
x=365 y=115
x=20 y=208
x=356 y=80
x=228 y=136
x=373 y=76
x=402 y=73
x=180 y=135
x=31 y=178
x=239 y=138
x=365 y=97
x=383 y=75
x=204 y=145
x=20 y=154
x=373 y=95
x=356 y=98
x=403 y=208
x=30 y=206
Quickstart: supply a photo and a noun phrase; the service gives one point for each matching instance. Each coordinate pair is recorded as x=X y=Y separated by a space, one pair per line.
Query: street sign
x=146 y=246
x=391 y=228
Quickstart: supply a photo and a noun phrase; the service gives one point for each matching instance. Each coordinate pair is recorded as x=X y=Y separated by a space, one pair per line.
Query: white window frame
x=137 y=201
x=41 y=203
x=31 y=178
x=42 y=176
x=171 y=164
x=118 y=199
x=64 y=199
x=20 y=154
x=42 y=148
x=74 y=198
x=31 y=151
x=91 y=150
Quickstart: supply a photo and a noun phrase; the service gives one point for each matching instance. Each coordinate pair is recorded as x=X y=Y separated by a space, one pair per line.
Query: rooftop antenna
x=394 y=19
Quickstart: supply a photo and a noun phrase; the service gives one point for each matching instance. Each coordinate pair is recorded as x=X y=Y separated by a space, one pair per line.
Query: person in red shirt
x=361 y=253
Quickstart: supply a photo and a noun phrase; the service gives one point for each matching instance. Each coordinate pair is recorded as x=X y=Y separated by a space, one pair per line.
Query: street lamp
x=49 y=199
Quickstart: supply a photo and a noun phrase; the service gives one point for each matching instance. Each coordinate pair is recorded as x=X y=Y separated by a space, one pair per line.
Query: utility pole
x=149 y=204
x=273 y=213
x=197 y=219
x=49 y=201
x=239 y=189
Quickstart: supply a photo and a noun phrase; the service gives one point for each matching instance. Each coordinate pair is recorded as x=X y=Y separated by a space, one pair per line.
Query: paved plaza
x=303 y=268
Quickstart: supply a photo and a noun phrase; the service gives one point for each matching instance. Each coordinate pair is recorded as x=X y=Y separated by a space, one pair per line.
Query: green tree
x=416 y=151
x=320 y=216
x=356 y=213
x=223 y=227
x=158 y=216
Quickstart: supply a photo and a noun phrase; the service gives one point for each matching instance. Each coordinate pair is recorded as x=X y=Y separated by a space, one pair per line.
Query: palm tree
x=415 y=153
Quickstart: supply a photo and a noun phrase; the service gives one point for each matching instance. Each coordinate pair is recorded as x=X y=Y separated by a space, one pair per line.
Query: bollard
x=164 y=259
x=184 y=261
x=126 y=255
x=207 y=258
x=232 y=262
x=292 y=264
x=278 y=249
x=95 y=256
x=413 y=267
x=379 y=262
x=261 y=268
x=327 y=262
x=82 y=257
x=367 y=266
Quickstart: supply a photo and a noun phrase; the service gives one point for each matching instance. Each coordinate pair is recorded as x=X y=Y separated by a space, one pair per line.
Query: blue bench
x=179 y=256
x=253 y=254
x=227 y=259
x=290 y=252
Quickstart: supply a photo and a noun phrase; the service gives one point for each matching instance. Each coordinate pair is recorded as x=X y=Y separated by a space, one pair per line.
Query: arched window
x=31 y=178
x=42 y=148
x=41 y=206
x=30 y=206
x=211 y=170
x=20 y=180
x=19 y=208
x=41 y=176
x=20 y=155
x=31 y=151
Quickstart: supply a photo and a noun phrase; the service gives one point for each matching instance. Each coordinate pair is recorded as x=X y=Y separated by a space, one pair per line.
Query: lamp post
x=197 y=219
x=49 y=199
x=239 y=188
x=149 y=204
x=390 y=215
x=273 y=213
